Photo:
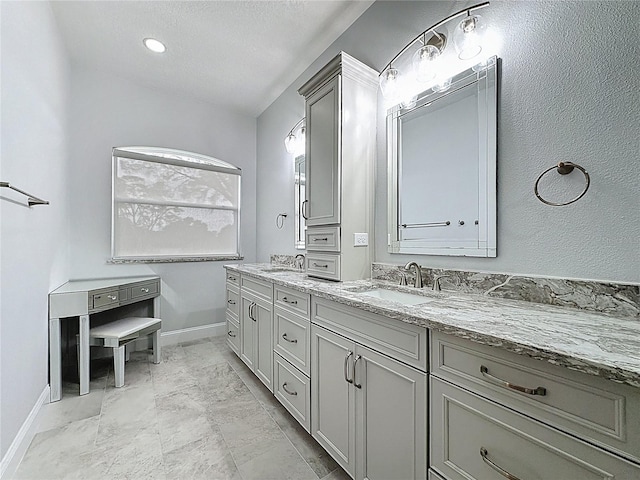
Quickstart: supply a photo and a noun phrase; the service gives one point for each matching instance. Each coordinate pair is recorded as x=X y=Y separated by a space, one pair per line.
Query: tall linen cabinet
x=340 y=108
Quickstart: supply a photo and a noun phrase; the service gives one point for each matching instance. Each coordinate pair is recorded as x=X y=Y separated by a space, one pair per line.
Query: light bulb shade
x=301 y=137
x=390 y=83
x=467 y=37
x=425 y=63
x=442 y=85
x=290 y=143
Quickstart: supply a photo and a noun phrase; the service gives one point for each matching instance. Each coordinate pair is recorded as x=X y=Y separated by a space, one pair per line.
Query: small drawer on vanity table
x=323 y=239
x=590 y=407
x=292 y=338
x=233 y=278
x=101 y=299
x=233 y=302
x=289 y=299
x=144 y=290
x=323 y=266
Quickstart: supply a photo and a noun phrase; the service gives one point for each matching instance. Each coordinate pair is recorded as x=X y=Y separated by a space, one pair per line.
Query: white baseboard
x=193 y=333
x=23 y=439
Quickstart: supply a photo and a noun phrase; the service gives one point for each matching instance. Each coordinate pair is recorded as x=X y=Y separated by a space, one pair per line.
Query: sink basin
x=395 y=296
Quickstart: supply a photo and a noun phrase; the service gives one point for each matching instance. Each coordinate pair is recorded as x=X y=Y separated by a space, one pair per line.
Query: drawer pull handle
x=529 y=391
x=251 y=311
x=290 y=302
x=112 y=297
x=497 y=468
x=144 y=290
x=346 y=363
x=284 y=387
x=284 y=335
x=320 y=265
x=233 y=335
x=233 y=279
x=355 y=384
x=324 y=239
x=231 y=302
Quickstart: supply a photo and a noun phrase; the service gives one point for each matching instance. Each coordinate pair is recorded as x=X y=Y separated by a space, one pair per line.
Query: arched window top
x=175 y=157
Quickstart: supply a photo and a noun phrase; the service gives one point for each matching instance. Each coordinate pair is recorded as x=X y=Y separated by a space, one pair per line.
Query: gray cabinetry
x=340 y=154
x=369 y=410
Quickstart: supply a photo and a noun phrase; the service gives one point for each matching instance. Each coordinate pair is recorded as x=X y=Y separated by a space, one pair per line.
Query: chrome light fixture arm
x=432 y=28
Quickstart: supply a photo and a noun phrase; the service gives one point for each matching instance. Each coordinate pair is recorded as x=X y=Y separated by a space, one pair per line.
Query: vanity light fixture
x=428 y=62
x=154 y=45
x=295 y=140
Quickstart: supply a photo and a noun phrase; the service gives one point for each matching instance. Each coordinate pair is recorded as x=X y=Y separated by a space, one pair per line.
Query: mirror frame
x=486 y=80
x=299 y=226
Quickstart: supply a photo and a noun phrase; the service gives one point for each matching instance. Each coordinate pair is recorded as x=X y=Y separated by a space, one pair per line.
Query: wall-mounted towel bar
x=32 y=200
x=422 y=225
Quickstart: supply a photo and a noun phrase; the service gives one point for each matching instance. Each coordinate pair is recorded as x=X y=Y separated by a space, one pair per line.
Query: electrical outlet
x=360 y=239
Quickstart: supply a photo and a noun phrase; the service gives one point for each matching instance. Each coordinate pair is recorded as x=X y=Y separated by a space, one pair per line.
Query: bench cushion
x=125 y=327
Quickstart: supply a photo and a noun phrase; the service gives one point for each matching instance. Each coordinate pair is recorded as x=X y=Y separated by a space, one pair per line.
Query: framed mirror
x=298 y=197
x=441 y=158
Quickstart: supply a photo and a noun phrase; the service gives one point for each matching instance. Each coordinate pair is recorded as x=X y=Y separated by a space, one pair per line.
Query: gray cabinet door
x=332 y=396
x=247 y=332
x=323 y=155
x=263 y=365
x=391 y=418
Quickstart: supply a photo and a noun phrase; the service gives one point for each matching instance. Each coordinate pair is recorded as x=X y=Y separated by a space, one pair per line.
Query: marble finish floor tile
x=200 y=414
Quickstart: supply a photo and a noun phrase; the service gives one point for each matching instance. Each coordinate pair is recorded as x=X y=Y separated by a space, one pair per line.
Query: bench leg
x=156 y=346
x=118 y=365
x=127 y=352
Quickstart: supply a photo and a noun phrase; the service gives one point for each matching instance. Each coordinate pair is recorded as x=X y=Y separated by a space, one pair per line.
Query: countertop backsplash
x=610 y=298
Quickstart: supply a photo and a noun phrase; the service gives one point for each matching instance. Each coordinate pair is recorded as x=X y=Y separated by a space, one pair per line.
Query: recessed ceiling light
x=154 y=45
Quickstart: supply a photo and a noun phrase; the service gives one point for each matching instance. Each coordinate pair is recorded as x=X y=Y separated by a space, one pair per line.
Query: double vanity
x=405 y=383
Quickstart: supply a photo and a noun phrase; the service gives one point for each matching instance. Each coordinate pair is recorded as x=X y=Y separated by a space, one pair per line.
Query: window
x=173 y=205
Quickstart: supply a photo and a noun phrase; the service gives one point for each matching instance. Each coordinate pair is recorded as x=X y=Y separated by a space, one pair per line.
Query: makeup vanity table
x=82 y=298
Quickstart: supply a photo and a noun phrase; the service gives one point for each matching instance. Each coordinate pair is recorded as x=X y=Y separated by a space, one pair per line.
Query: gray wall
x=107 y=111
x=568 y=92
x=34 y=241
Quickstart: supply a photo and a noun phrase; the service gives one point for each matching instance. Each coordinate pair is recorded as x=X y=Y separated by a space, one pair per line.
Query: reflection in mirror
x=299 y=195
x=441 y=156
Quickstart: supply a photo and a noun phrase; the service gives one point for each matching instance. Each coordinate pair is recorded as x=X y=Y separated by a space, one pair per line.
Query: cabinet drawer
x=233 y=278
x=292 y=339
x=103 y=299
x=144 y=290
x=399 y=340
x=590 y=407
x=472 y=437
x=293 y=389
x=259 y=288
x=323 y=239
x=233 y=334
x=233 y=301
x=323 y=266
x=297 y=302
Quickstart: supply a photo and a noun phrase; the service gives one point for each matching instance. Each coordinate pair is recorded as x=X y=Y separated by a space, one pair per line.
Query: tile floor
x=200 y=414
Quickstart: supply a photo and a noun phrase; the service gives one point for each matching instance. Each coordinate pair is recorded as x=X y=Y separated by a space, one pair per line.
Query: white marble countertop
x=588 y=342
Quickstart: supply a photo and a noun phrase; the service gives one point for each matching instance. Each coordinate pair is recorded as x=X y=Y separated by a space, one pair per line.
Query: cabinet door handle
x=357 y=385
x=284 y=335
x=324 y=239
x=290 y=302
x=303 y=209
x=320 y=265
x=233 y=335
x=346 y=363
x=253 y=312
x=112 y=297
x=231 y=302
x=529 y=391
x=251 y=305
x=144 y=290
x=496 y=467
x=284 y=387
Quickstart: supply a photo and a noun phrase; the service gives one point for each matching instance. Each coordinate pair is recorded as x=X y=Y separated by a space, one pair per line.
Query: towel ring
x=563 y=168
x=280 y=220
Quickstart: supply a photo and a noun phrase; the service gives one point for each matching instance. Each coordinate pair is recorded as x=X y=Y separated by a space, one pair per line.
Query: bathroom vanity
x=396 y=382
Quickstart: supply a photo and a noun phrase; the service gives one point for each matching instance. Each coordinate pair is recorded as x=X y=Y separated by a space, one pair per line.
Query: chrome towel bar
x=32 y=200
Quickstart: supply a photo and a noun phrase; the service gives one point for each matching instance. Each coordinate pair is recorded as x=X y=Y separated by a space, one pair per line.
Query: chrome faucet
x=418 y=283
x=299 y=261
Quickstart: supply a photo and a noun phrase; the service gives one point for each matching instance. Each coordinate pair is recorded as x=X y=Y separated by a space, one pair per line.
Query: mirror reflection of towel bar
x=421 y=225
x=32 y=200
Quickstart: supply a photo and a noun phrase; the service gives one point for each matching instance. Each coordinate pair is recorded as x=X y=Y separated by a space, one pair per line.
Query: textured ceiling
x=237 y=54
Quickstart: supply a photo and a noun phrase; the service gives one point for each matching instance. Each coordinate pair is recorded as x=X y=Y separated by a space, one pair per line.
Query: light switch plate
x=360 y=239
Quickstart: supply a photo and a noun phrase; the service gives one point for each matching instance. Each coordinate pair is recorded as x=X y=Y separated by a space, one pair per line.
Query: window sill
x=120 y=261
